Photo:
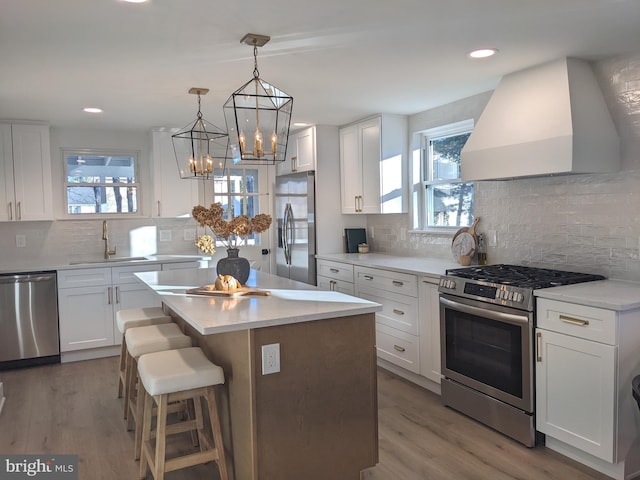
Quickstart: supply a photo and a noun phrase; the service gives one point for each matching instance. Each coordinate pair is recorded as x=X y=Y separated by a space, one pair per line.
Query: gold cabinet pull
x=19 y=211
x=11 y=211
x=355 y=203
x=398 y=312
x=538 y=347
x=574 y=321
x=334 y=270
x=399 y=348
x=398 y=283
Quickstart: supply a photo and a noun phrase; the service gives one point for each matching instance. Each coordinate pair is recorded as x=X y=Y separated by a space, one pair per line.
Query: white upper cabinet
x=373 y=159
x=25 y=163
x=173 y=196
x=301 y=153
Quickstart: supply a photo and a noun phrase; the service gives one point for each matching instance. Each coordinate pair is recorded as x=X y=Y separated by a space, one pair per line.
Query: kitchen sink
x=110 y=260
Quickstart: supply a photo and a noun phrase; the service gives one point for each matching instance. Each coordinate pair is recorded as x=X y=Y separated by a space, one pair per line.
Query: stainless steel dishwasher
x=28 y=320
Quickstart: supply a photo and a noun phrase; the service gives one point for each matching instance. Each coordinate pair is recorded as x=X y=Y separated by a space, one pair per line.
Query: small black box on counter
x=354 y=237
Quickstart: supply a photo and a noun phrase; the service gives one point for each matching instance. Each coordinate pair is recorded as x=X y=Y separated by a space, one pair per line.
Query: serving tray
x=209 y=290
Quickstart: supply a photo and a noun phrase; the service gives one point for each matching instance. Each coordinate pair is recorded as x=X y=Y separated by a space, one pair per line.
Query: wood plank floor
x=72 y=409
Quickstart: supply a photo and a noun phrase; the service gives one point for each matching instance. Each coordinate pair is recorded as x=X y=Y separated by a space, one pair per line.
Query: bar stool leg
x=121 y=368
x=161 y=437
x=146 y=434
x=216 y=432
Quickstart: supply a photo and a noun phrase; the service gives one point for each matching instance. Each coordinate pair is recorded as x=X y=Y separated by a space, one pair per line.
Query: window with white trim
x=101 y=182
x=441 y=197
x=238 y=191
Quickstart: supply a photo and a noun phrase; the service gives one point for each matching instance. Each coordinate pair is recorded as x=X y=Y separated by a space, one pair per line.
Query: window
x=443 y=199
x=101 y=182
x=238 y=190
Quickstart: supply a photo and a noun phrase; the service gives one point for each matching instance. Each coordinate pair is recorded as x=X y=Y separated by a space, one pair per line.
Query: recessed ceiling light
x=92 y=110
x=483 y=52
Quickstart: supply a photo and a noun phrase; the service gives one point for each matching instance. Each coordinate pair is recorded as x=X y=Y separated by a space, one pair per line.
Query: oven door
x=488 y=348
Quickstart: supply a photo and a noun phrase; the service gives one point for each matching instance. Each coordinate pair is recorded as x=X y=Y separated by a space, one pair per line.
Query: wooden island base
x=317 y=418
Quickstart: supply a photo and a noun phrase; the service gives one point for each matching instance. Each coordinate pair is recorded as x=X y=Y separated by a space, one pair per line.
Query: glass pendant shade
x=200 y=146
x=258 y=116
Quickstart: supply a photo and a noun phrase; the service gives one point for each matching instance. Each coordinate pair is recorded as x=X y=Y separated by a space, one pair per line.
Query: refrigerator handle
x=285 y=232
x=290 y=232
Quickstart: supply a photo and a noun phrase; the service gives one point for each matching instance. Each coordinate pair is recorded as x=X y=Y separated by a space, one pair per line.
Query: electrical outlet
x=270 y=358
x=21 y=241
x=189 y=234
x=165 y=235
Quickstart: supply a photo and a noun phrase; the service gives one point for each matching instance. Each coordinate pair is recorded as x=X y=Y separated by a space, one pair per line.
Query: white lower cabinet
x=408 y=327
x=397 y=337
x=89 y=298
x=335 y=276
x=585 y=360
x=429 y=328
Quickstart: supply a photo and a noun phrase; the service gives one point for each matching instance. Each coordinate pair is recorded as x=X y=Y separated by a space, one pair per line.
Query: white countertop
x=66 y=262
x=431 y=267
x=615 y=295
x=289 y=302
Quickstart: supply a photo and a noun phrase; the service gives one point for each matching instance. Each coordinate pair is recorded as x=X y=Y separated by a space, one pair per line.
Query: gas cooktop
x=521 y=276
x=508 y=285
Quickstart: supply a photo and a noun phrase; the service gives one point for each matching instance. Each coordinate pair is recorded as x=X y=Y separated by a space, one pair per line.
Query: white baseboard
x=412 y=377
x=89 y=354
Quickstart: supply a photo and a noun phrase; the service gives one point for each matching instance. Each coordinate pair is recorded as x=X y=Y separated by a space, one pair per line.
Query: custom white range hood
x=546 y=120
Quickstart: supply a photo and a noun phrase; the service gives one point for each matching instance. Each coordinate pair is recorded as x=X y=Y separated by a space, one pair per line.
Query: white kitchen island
x=314 y=419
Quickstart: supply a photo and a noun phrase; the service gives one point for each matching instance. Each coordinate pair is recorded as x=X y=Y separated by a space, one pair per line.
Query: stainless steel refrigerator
x=295 y=214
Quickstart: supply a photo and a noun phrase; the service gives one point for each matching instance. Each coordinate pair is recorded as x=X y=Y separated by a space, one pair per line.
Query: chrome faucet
x=105 y=237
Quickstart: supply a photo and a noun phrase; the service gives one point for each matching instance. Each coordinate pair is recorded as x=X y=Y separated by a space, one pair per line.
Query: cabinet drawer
x=335 y=270
x=84 y=277
x=590 y=323
x=333 y=285
x=398 y=311
x=403 y=283
x=398 y=347
x=122 y=275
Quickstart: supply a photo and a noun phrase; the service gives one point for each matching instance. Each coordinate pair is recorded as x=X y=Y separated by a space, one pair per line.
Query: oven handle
x=486 y=313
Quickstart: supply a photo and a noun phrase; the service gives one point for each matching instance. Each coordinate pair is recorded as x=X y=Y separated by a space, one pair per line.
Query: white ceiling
x=340 y=59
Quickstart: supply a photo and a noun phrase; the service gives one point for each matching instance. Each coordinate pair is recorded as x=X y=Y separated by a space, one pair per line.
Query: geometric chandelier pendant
x=200 y=146
x=258 y=117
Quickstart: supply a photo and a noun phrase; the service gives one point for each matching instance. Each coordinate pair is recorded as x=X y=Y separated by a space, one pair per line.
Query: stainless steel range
x=487 y=320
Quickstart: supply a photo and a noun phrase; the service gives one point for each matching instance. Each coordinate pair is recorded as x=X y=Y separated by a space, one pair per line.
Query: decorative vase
x=234 y=265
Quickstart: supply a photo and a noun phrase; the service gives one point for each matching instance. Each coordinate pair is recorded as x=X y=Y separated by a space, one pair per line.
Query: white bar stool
x=130 y=318
x=177 y=375
x=141 y=340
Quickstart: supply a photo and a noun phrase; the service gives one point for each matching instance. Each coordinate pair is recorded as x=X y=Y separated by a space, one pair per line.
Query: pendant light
x=200 y=146
x=258 y=116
